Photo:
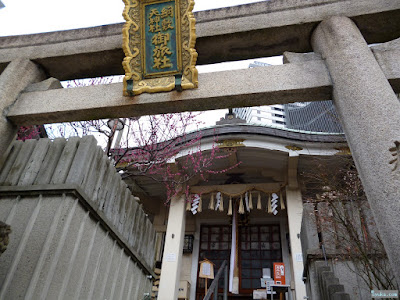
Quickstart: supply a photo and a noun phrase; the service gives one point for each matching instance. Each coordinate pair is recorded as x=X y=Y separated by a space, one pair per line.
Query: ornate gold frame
x=134 y=81
x=230 y=143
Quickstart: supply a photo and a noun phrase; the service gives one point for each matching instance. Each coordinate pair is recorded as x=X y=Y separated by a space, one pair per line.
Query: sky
x=35 y=16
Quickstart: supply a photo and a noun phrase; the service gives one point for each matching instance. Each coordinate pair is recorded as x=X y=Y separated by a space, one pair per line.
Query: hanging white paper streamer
x=233 y=253
x=274 y=203
x=211 y=205
x=246 y=200
x=195 y=204
x=230 y=206
x=188 y=205
x=221 y=204
x=241 y=206
x=218 y=198
x=259 y=206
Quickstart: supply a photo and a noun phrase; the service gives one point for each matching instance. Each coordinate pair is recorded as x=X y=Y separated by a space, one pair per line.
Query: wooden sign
x=206 y=269
x=158 y=41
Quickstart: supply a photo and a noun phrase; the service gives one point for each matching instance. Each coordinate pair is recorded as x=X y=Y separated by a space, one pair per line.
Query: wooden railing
x=214 y=285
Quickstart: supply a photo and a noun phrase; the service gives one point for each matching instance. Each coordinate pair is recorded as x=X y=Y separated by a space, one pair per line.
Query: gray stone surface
x=311 y=281
x=349 y=273
x=8 y=163
x=292 y=57
x=324 y=283
x=13 y=80
x=327 y=227
x=326 y=278
x=65 y=245
x=370 y=113
x=350 y=278
x=371 y=225
x=286 y=83
x=48 y=84
x=309 y=232
x=34 y=163
x=388 y=57
x=304 y=80
x=19 y=164
x=71 y=163
x=50 y=161
x=341 y=296
x=335 y=288
x=82 y=161
x=63 y=164
x=257 y=30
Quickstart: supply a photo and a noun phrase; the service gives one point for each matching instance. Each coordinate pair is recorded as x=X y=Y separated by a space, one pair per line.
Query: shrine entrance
x=361 y=80
x=259 y=245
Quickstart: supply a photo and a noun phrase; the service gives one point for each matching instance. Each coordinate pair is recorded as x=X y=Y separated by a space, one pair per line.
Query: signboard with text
x=279 y=273
x=206 y=269
x=161 y=49
x=158 y=41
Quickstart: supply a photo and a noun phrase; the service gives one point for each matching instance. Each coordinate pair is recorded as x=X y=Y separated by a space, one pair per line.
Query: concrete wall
x=336 y=272
x=77 y=232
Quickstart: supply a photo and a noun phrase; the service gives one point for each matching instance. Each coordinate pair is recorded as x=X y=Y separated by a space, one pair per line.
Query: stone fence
x=328 y=253
x=329 y=286
x=76 y=230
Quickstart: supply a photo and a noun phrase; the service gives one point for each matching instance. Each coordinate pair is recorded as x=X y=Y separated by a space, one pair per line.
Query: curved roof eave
x=292 y=135
x=272 y=139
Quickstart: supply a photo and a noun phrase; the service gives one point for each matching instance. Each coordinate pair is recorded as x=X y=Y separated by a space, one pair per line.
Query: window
x=215 y=245
x=259 y=247
x=279 y=122
x=279 y=116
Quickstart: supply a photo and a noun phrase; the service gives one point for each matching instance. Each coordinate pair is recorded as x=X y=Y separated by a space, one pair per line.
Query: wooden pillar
x=294 y=206
x=173 y=249
x=13 y=80
x=370 y=114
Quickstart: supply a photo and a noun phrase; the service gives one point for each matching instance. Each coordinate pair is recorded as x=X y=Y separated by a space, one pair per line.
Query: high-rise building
x=273 y=115
x=318 y=116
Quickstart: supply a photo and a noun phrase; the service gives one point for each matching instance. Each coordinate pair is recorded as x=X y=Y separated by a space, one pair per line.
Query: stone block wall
x=327 y=272
x=76 y=230
x=329 y=285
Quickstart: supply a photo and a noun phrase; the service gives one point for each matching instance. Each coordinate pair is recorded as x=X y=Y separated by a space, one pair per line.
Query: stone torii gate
x=361 y=80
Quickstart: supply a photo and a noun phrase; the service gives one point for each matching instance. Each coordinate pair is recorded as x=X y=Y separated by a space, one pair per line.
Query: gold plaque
x=158 y=41
x=230 y=143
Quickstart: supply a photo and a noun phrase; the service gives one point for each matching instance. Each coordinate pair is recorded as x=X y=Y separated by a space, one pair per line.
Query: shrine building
x=71 y=228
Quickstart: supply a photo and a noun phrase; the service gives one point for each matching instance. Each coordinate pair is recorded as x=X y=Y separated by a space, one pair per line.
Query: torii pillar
x=14 y=79
x=370 y=114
